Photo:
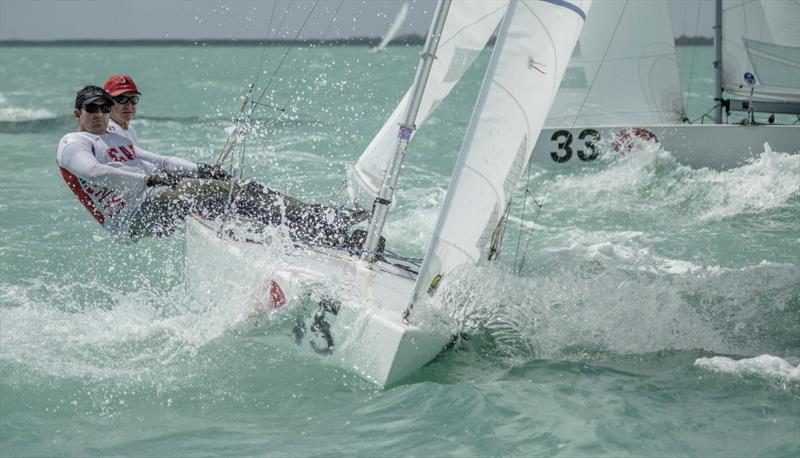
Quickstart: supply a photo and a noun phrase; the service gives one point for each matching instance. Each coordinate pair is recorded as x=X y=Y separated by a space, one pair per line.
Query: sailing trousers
x=165 y=209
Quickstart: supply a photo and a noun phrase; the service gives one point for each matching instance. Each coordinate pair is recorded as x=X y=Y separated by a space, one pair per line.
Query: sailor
x=135 y=193
x=125 y=95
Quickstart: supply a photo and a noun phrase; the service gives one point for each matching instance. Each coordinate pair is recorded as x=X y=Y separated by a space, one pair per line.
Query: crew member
x=126 y=96
x=136 y=193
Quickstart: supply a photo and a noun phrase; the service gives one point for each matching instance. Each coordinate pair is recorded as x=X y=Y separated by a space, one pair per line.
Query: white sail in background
x=468 y=27
x=393 y=29
x=762 y=37
x=623 y=71
x=531 y=54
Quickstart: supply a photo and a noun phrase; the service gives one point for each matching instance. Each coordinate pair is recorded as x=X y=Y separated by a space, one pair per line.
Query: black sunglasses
x=93 y=108
x=123 y=99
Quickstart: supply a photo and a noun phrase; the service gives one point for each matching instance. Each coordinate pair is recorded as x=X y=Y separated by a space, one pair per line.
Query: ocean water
x=657 y=312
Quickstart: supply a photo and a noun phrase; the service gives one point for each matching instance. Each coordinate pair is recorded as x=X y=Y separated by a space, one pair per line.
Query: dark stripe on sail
x=569 y=6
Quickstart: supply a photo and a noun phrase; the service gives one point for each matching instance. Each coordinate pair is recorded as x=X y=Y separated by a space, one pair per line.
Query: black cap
x=89 y=94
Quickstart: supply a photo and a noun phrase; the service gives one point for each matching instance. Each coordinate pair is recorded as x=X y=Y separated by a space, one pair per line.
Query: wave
x=38 y=126
x=626 y=306
x=766 y=366
x=631 y=186
x=11 y=114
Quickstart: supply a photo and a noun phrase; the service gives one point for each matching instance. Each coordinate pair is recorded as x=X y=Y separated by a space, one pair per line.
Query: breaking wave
x=760 y=366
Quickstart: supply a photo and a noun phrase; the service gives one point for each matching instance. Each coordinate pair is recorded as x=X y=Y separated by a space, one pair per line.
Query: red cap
x=120 y=84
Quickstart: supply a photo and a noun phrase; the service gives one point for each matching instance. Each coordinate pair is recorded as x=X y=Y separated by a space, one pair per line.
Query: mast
x=718 y=60
x=381 y=206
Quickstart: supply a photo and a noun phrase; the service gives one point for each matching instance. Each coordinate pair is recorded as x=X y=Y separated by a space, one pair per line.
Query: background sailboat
x=622 y=87
x=393 y=29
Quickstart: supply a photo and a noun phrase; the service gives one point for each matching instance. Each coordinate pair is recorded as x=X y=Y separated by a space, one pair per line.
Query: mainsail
x=468 y=27
x=623 y=71
x=761 y=38
x=530 y=56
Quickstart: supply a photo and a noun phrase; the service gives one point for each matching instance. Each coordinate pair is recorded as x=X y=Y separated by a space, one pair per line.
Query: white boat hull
x=368 y=333
x=714 y=146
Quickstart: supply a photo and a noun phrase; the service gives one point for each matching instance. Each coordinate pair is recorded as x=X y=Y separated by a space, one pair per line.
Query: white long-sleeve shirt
x=130 y=132
x=106 y=172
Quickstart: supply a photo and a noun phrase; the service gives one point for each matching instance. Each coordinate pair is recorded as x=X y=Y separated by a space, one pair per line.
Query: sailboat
x=385 y=323
x=622 y=87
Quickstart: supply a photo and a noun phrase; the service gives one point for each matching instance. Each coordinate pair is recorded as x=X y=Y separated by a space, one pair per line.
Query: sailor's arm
x=79 y=160
x=171 y=164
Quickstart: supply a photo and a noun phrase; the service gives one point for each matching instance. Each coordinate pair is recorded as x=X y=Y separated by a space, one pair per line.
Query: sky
x=245 y=19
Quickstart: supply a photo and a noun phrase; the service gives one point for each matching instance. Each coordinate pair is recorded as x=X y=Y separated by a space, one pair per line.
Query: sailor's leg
x=161 y=213
x=313 y=222
x=213 y=198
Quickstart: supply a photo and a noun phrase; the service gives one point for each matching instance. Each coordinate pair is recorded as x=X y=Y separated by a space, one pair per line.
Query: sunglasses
x=123 y=99
x=94 y=108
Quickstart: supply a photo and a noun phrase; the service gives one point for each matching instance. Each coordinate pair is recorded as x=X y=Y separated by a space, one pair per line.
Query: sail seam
x=622 y=59
x=486 y=179
x=519 y=106
x=459 y=31
x=457 y=248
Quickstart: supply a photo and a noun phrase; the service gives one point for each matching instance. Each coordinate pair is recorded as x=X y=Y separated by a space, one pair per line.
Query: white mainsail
x=623 y=71
x=468 y=27
x=762 y=37
x=393 y=29
x=531 y=54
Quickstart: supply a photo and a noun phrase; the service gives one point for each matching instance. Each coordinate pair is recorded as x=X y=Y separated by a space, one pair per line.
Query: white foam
x=762 y=366
x=24 y=114
x=765 y=183
x=13 y=113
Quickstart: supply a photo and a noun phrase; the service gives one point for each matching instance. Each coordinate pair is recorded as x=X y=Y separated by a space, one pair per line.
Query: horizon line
x=403 y=40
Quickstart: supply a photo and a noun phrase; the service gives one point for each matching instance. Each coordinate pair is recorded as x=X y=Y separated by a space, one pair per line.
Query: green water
x=640 y=275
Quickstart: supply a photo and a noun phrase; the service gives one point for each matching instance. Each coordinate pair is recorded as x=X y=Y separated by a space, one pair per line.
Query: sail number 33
x=564 y=144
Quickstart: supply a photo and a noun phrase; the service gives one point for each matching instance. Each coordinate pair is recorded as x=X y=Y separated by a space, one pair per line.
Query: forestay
x=468 y=27
x=762 y=37
x=623 y=71
x=530 y=56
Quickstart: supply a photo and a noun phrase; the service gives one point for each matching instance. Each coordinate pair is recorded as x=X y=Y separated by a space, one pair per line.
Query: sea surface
x=657 y=312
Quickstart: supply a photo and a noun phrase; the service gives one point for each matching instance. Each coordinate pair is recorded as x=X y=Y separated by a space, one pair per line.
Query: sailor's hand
x=213 y=172
x=351 y=216
x=161 y=179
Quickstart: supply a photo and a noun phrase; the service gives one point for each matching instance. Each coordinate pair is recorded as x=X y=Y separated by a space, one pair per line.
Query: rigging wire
x=518 y=267
x=549 y=181
x=243 y=128
x=694 y=48
x=235 y=135
x=283 y=58
x=316 y=51
x=264 y=50
x=602 y=61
